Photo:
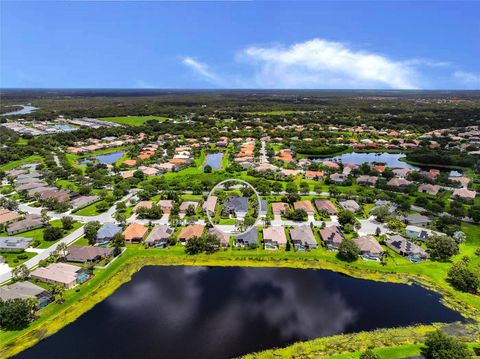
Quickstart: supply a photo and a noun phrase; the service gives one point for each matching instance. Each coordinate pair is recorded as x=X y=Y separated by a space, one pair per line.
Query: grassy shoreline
x=106 y=282
x=391 y=343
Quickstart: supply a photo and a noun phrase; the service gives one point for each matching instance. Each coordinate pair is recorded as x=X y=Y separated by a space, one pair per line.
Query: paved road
x=57 y=161
x=102 y=217
x=6 y=272
x=263 y=152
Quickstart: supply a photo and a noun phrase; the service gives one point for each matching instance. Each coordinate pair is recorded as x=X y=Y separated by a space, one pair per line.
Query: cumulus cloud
x=201 y=69
x=324 y=64
x=320 y=63
x=469 y=78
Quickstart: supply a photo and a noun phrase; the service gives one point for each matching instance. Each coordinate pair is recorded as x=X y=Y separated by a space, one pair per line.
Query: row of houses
x=94 y=144
x=275 y=237
x=20 y=223
x=35 y=187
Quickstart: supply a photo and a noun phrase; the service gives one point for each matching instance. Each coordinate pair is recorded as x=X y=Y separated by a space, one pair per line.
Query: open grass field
x=133 y=120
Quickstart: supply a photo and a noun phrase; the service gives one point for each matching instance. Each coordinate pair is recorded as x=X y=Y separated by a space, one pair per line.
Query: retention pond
x=200 y=312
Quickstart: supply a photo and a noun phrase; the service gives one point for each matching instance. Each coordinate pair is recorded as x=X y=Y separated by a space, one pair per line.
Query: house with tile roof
x=325 y=205
x=306 y=205
x=135 y=232
x=274 y=237
x=191 y=231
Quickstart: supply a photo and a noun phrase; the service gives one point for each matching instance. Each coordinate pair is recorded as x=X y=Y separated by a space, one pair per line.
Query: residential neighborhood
x=300 y=193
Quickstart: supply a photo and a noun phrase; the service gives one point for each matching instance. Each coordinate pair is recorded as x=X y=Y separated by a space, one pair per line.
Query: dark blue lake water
x=200 y=312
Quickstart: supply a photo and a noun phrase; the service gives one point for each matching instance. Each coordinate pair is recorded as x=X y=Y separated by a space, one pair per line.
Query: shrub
x=441 y=248
x=51 y=234
x=439 y=345
x=348 y=250
x=462 y=278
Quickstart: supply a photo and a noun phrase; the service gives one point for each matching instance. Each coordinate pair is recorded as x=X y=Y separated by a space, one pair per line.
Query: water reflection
x=198 y=312
x=214 y=160
x=390 y=159
x=107 y=158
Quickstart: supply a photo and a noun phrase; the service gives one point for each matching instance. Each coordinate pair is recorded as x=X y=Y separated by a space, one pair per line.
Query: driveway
x=369 y=226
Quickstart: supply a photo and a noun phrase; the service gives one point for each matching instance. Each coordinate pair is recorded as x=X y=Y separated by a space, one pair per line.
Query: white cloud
x=320 y=63
x=469 y=78
x=201 y=69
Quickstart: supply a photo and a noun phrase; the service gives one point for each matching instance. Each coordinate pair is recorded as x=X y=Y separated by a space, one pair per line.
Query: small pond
x=214 y=160
x=107 y=158
x=222 y=312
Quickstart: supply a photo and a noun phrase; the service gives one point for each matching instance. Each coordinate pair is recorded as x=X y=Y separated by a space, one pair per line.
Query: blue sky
x=324 y=45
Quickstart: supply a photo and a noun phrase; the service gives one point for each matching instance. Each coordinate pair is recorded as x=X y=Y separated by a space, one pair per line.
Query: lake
x=220 y=312
x=26 y=109
x=214 y=160
x=107 y=158
x=391 y=159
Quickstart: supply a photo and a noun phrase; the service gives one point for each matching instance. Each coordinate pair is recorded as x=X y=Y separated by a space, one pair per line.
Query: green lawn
x=65 y=184
x=90 y=210
x=12 y=258
x=81 y=242
x=37 y=234
x=133 y=120
x=27 y=160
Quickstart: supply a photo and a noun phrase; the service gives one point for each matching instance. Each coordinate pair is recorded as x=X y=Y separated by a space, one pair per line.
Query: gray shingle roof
x=20 y=290
x=107 y=231
x=14 y=243
x=237 y=204
x=248 y=238
x=303 y=234
x=158 y=233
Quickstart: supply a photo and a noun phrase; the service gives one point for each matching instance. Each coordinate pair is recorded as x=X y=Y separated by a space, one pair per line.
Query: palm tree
x=63 y=249
x=45 y=217
x=55 y=290
x=15 y=273
x=20 y=273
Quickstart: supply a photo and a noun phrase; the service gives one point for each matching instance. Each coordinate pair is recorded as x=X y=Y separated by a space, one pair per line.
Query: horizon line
x=228 y=89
